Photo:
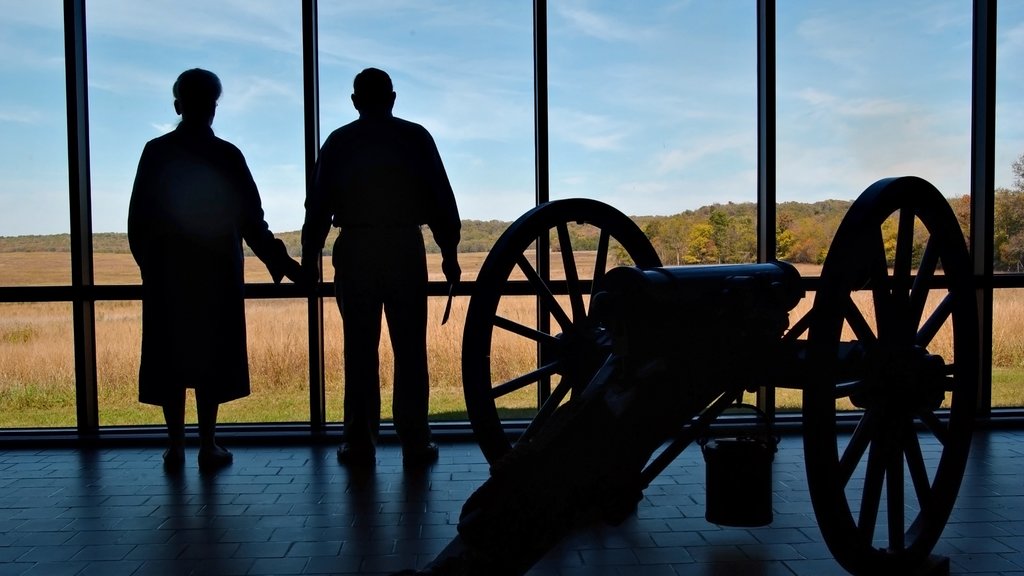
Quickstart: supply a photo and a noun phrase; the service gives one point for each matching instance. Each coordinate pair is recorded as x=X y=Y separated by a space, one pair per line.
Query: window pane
x=866 y=91
x=1008 y=348
x=1007 y=360
x=278 y=364
x=136 y=51
x=118 y=349
x=463 y=70
x=444 y=357
x=37 y=366
x=34 y=214
x=654 y=111
x=1009 y=161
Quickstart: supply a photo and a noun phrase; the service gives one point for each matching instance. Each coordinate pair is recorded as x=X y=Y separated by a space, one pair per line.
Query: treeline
x=477 y=236
x=728 y=232
x=712 y=234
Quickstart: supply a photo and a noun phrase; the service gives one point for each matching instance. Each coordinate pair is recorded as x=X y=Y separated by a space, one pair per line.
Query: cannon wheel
x=571 y=347
x=914 y=430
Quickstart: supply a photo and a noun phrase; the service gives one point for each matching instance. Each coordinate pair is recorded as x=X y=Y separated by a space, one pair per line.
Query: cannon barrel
x=777 y=283
x=706 y=314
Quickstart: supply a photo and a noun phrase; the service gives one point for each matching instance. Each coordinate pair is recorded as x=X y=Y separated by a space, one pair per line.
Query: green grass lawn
x=38 y=407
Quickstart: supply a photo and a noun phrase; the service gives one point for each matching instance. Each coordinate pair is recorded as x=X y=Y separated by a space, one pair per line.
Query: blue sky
x=651 y=110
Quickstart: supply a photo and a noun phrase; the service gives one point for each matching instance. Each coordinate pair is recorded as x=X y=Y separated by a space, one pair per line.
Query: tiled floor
x=294 y=510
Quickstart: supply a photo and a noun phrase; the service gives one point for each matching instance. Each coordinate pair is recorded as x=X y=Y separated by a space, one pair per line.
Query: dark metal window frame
x=83 y=293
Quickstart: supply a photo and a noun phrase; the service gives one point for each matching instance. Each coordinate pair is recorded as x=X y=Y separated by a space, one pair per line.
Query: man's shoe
x=421 y=455
x=211 y=459
x=355 y=455
x=174 y=459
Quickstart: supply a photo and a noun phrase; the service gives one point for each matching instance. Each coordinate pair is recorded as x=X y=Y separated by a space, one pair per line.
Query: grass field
x=37 y=358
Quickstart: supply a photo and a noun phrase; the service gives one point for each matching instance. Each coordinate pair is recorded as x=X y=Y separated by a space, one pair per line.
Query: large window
x=34 y=219
x=37 y=365
x=654 y=111
x=464 y=70
x=136 y=51
x=1009 y=152
x=1008 y=233
x=866 y=90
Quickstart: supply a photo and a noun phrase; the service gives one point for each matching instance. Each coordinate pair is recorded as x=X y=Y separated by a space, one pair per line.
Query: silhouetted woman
x=193 y=203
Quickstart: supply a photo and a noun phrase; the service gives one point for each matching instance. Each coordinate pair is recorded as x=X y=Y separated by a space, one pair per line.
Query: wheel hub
x=906 y=378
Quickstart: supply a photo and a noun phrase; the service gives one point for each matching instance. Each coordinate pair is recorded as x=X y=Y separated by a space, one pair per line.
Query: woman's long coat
x=193 y=202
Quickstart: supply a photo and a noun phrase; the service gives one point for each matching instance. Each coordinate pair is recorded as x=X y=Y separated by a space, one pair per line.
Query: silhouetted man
x=378 y=179
x=193 y=202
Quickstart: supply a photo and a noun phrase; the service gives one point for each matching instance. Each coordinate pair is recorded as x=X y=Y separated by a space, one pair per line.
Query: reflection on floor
x=294 y=510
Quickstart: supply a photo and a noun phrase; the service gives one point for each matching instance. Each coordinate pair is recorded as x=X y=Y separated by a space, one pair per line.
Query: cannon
x=639 y=360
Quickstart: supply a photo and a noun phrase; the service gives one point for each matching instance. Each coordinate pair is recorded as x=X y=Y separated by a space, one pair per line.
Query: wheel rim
x=571 y=348
x=881 y=504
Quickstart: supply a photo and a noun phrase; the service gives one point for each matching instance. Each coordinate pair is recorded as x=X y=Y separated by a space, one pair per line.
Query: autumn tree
x=701 y=247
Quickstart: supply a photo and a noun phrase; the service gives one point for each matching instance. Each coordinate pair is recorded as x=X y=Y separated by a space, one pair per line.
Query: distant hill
x=720 y=232
x=710 y=234
x=477 y=236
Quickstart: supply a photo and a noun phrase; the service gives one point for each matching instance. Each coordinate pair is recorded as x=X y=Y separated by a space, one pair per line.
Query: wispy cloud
x=851 y=107
x=604 y=27
x=21 y=115
x=192 y=23
x=588 y=130
x=258 y=90
x=163 y=128
x=680 y=159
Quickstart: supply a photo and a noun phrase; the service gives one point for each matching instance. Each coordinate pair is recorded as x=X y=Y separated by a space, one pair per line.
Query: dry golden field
x=37 y=368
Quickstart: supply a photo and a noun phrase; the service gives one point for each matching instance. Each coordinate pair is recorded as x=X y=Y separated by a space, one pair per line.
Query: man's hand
x=293 y=271
x=311 y=267
x=451 y=269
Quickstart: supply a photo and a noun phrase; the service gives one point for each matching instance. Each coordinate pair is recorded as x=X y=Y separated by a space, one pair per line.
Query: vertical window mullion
x=540 y=88
x=79 y=195
x=983 y=122
x=315 y=309
x=766 y=198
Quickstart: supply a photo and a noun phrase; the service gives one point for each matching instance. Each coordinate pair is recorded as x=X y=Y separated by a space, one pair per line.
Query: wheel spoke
x=859 y=442
x=544 y=292
x=917 y=468
x=880 y=288
x=799 y=328
x=935 y=321
x=922 y=282
x=904 y=251
x=858 y=324
x=525 y=380
x=937 y=428
x=600 y=262
x=894 y=495
x=524 y=330
x=871 y=497
x=572 y=278
x=553 y=401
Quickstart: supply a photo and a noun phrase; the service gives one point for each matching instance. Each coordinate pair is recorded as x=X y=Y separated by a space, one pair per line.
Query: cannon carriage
x=886 y=359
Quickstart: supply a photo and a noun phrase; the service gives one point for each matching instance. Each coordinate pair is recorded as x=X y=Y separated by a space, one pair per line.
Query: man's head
x=195 y=95
x=372 y=91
